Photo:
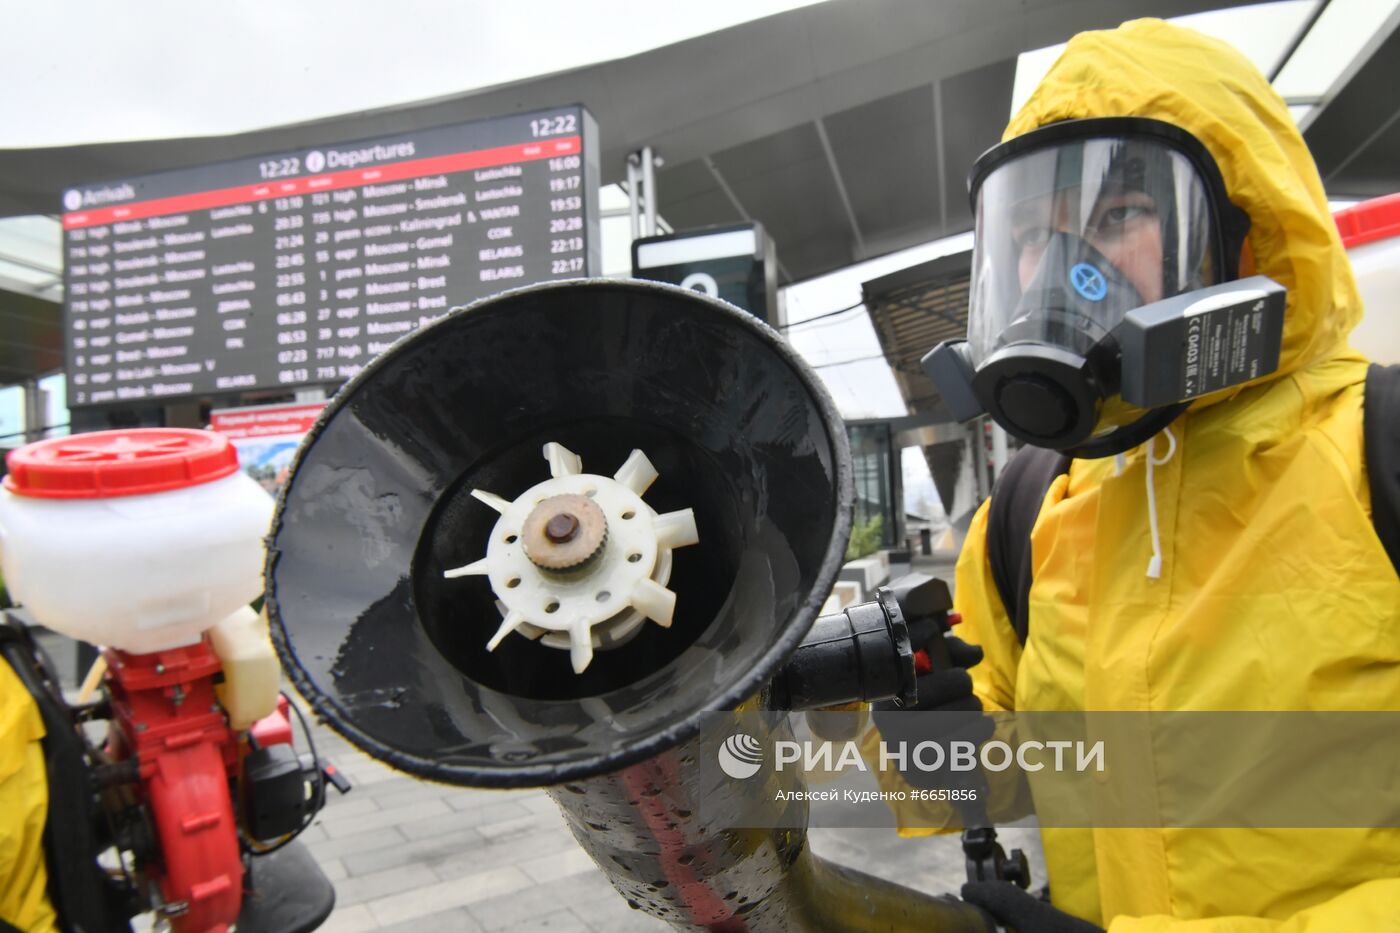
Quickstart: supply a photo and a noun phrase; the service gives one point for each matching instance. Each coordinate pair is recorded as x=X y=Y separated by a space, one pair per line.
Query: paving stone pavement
x=409 y=855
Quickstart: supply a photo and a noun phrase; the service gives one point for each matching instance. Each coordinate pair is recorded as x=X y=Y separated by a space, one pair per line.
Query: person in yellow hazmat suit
x=1209 y=549
x=50 y=878
x=24 y=802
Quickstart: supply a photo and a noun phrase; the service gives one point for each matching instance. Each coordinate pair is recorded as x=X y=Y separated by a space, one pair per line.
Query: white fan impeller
x=579 y=561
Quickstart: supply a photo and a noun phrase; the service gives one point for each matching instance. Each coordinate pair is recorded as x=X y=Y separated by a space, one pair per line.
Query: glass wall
x=55 y=389
x=24 y=419
x=11 y=416
x=879 y=506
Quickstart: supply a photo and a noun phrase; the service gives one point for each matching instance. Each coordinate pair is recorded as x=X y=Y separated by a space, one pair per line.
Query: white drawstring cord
x=1154 y=566
x=1120 y=461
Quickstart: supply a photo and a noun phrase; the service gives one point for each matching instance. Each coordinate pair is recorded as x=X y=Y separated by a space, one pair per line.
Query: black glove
x=1022 y=911
x=948 y=687
x=946 y=690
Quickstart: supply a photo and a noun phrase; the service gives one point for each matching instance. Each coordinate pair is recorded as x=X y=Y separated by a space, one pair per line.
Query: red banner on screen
x=330 y=181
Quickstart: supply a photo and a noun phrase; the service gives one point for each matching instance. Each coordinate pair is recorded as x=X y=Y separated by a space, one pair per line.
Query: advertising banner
x=266 y=437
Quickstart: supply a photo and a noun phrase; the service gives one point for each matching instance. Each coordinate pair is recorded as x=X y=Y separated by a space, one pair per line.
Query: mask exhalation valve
x=1037 y=406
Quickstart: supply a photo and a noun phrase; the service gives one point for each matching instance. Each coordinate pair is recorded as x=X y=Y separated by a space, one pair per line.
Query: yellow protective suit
x=1275 y=593
x=24 y=804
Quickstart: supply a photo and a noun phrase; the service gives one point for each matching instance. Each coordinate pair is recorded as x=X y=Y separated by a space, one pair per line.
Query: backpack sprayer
x=149 y=542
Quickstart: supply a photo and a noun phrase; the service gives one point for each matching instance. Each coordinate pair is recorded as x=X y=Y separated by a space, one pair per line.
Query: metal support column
x=35 y=410
x=641 y=191
x=977 y=437
x=649 y=188
x=634 y=203
x=999 y=451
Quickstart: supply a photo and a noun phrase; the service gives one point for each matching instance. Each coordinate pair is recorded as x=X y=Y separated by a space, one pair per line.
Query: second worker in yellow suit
x=24 y=801
x=1240 y=571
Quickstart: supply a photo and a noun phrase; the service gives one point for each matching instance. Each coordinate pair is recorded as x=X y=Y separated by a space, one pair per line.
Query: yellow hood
x=1270 y=589
x=1149 y=68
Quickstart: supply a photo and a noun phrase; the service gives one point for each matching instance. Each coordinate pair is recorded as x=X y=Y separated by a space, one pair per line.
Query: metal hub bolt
x=561 y=528
x=564 y=532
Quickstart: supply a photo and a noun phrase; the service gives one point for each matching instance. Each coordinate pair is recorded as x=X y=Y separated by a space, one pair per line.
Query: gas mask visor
x=1080 y=225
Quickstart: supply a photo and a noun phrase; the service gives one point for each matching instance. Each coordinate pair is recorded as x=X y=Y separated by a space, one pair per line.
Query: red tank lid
x=133 y=462
x=1376 y=219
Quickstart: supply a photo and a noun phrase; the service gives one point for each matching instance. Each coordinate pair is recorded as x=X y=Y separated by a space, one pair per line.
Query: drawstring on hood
x=1154 y=566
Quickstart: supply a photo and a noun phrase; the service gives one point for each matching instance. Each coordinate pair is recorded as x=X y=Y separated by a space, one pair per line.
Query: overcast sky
x=85 y=72
x=78 y=72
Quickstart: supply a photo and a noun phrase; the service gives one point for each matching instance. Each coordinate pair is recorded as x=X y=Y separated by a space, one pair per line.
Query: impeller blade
x=654 y=601
x=562 y=460
x=493 y=500
x=509 y=624
x=526 y=630
x=637 y=473
x=580 y=645
x=676 y=529
x=476 y=568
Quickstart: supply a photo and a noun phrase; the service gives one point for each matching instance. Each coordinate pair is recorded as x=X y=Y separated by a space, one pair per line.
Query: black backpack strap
x=1016 y=501
x=1382 y=434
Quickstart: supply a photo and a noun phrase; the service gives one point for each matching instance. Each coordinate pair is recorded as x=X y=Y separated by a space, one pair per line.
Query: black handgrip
x=339 y=781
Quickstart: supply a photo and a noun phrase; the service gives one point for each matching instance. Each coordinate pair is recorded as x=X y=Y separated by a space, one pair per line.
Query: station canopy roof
x=845 y=127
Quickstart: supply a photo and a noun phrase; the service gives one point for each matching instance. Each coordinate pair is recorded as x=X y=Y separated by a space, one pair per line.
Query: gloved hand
x=945 y=685
x=1022 y=911
x=945 y=689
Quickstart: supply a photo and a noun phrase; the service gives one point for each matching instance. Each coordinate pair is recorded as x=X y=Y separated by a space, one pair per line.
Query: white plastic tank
x=139 y=539
x=1371 y=233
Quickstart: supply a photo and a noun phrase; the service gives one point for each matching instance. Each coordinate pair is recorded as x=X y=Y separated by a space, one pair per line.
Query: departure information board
x=296 y=269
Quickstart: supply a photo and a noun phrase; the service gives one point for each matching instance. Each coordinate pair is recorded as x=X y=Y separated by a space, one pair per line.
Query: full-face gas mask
x=1101 y=294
